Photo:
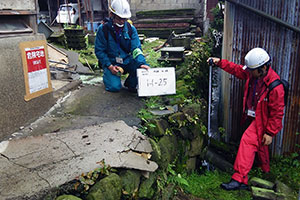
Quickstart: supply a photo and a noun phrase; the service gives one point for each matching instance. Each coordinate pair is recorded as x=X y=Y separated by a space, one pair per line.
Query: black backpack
x=285 y=86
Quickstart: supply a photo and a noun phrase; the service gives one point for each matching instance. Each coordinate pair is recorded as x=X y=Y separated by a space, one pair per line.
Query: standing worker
x=118 y=48
x=262 y=112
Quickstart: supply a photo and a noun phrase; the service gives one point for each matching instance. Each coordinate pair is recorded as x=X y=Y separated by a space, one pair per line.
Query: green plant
x=195 y=70
x=207 y=186
x=176 y=178
x=170 y=176
x=222 y=133
x=145 y=115
x=143 y=129
x=150 y=54
x=153 y=102
x=85 y=181
x=88 y=58
x=72 y=26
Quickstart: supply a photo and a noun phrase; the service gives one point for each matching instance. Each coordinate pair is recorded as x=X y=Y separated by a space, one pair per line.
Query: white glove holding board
x=156 y=81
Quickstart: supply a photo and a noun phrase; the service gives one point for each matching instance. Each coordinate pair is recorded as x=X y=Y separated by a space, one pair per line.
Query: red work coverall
x=268 y=119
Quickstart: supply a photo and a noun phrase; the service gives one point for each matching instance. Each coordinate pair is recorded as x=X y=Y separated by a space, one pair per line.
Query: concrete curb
x=71 y=86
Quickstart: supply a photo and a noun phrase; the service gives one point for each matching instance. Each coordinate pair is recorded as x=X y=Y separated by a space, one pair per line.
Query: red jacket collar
x=270 y=77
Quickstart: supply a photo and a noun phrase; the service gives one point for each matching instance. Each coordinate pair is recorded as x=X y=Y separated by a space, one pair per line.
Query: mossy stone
x=67 y=197
x=258 y=182
x=147 y=189
x=192 y=109
x=156 y=153
x=266 y=194
x=168 y=146
x=197 y=129
x=185 y=133
x=160 y=128
x=182 y=88
x=130 y=181
x=283 y=188
x=108 y=188
x=196 y=146
x=168 y=192
x=177 y=117
x=191 y=164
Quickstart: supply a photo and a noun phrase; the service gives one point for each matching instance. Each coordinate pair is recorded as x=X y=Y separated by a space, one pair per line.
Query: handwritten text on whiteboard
x=156 y=81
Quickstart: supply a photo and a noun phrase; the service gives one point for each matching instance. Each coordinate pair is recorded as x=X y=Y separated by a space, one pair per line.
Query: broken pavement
x=36 y=163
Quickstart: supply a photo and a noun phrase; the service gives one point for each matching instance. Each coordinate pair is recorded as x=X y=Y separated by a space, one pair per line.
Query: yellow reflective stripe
x=136 y=52
x=112 y=9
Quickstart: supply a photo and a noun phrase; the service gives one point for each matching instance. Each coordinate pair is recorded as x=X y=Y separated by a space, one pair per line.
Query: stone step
x=166 y=13
x=170 y=59
x=172 y=54
x=163 y=25
x=164 y=20
x=161 y=32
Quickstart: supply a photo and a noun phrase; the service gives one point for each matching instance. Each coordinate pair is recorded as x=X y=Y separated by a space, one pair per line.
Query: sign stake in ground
x=36 y=68
x=156 y=81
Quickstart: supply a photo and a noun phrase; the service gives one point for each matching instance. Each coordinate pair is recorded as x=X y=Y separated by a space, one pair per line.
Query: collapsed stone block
x=185 y=133
x=191 y=164
x=178 y=117
x=108 y=188
x=130 y=181
x=196 y=146
x=168 y=146
x=146 y=190
x=156 y=154
x=160 y=128
x=67 y=197
x=266 y=194
x=282 y=188
x=192 y=109
x=258 y=182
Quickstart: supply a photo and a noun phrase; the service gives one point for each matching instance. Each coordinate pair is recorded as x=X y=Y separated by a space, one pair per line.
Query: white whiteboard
x=156 y=81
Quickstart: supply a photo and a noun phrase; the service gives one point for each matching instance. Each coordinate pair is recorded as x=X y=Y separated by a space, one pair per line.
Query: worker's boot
x=234 y=185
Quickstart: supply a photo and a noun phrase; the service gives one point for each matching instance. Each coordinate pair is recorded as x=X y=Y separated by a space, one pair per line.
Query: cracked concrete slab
x=35 y=163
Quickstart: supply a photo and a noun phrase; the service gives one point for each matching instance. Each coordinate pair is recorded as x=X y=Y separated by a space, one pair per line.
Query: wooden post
x=58 y=6
x=91 y=15
x=79 y=10
x=68 y=13
x=86 y=10
x=49 y=10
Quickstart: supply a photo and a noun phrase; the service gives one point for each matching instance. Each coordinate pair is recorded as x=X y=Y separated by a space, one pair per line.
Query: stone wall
x=14 y=110
x=18 y=5
x=141 y=5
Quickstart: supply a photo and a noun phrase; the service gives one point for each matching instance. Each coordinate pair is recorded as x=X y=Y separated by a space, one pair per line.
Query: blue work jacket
x=107 y=50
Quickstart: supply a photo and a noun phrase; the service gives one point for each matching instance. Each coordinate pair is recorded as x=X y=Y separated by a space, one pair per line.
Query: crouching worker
x=262 y=112
x=118 y=48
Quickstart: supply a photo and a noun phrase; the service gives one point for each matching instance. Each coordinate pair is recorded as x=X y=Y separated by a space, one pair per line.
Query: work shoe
x=132 y=90
x=129 y=89
x=234 y=185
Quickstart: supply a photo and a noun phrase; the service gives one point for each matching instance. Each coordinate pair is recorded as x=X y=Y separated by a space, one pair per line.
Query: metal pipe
x=209 y=100
x=270 y=17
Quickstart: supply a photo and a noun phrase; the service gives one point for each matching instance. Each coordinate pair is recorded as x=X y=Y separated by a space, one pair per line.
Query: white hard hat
x=256 y=57
x=120 y=8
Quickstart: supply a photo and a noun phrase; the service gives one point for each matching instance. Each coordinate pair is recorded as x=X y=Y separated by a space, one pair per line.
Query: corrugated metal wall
x=245 y=29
